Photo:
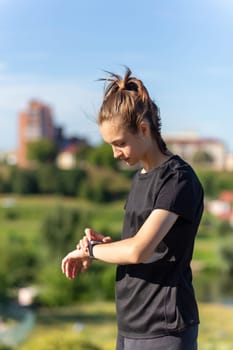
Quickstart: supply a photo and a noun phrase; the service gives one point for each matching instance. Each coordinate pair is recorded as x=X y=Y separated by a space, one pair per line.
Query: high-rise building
x=36 y=123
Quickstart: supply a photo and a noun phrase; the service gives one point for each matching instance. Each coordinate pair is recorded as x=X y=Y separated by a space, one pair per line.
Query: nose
x=116 y=152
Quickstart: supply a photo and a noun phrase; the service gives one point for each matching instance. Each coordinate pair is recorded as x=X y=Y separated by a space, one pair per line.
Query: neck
x=153 y=158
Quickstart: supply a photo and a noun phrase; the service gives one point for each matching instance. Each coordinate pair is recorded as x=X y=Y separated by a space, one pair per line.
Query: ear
x=144 y=128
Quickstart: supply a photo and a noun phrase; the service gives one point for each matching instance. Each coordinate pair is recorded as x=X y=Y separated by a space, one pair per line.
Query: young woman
x=155 y=301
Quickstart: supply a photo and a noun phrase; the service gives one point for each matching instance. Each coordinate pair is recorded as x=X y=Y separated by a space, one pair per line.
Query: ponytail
x=127 y=98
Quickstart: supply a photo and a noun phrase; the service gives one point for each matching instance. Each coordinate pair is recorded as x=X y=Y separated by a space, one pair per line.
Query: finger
x=67 y=268
x=75 y=269
x=107 y=239
x=84 y=244
x=85 y=264
x=91 y=234
x=88 y=233
x=63 y=263
x=72 y=268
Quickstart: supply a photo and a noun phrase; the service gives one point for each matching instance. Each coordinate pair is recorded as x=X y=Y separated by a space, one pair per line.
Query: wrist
x=91 y=245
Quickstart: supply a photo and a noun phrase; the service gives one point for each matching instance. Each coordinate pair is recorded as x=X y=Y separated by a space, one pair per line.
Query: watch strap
x=91 y=244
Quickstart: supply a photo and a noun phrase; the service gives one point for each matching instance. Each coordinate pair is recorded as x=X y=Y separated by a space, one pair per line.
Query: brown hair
x=127 y=98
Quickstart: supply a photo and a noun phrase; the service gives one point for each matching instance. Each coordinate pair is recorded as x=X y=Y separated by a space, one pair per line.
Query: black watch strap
x=91 y=244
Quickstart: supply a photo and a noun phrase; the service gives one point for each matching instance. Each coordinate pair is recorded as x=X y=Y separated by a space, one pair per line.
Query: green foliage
x=215 y=182
x=56 y=340
x=47 y=179
x=44 y=230
x=58 y=236
x=55 y=289
x=11 y=214
x=23 y=181
x=70 y=182
x=4 y=186
x=202 y=158
x=88 y=326
x=83 y=153
x=19 y=262
x=107 y=283
x=226 y=251
x=43 y=151
x=98 y=191
x=5 y=347
x=58 y=230
x=224 y=228
x=102 y=156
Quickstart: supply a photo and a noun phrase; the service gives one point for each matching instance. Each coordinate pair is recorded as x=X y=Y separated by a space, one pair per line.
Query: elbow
x=136 y=255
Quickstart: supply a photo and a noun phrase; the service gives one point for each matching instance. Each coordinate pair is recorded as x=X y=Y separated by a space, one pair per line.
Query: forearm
x=120 y=252
x=140 y=247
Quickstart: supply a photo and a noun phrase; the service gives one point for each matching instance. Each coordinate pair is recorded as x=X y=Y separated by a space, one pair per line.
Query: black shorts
x=186 y=340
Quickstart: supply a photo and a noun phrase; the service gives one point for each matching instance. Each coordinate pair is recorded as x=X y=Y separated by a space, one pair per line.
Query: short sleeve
x=180 y=194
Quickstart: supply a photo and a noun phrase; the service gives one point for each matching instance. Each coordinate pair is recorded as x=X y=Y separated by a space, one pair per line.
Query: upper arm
x=152 y=232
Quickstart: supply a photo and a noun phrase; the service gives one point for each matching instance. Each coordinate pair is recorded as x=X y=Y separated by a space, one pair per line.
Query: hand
x=92 y=235
x=74 y=262
x=83 y=245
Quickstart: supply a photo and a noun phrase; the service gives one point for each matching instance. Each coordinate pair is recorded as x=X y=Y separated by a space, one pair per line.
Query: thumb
x=91 y=234
x=88 y=233
x=107 y=239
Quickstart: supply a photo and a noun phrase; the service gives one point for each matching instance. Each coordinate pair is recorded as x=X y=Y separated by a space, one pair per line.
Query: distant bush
x=57 y=340
x=23 y=181
x=226 y=251
x=102 y=156
x=215 y=182
x=11 y=214
x=58 y=230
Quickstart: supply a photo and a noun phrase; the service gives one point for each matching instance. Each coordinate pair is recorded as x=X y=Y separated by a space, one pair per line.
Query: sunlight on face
x=125 y=145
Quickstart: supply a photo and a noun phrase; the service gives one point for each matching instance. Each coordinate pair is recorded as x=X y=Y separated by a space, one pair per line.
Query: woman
x=155 y=301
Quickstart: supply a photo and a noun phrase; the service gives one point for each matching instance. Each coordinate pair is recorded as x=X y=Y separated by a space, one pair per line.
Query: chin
x=133 y=163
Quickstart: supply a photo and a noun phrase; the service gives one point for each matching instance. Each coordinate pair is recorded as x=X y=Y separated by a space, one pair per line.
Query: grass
x=30 y=210
x=207 y=252
x=216 y=327
x=87 y=324
x=94 y=325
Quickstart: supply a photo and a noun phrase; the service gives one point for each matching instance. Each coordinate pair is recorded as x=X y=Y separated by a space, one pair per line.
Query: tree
x=58 y=236
x=23 y=181
x=58 y=230
x=102 y=156
x=203 y=158
x=226 y=251
x=83 y=153
x=69 y=182
x=47 y=178
x=19 y=263
x=43 y=151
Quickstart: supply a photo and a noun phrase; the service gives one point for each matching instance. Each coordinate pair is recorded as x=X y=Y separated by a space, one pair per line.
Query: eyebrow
x=117 y=141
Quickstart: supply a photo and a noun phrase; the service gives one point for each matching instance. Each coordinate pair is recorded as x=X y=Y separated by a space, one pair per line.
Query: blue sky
x=55 y=50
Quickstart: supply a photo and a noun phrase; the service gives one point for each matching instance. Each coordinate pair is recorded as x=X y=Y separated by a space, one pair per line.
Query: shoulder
x=178 y=167
x=179 y=179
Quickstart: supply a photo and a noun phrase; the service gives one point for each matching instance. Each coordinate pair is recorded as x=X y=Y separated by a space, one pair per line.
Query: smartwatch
x=91 y=244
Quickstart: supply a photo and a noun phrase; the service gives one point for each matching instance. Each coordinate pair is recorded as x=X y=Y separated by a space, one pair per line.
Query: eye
x=120 y=144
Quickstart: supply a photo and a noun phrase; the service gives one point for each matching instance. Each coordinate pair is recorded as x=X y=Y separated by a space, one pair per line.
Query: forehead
x=112 y=131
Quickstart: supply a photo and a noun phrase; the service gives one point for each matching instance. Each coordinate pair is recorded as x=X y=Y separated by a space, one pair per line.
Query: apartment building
x=190 y=146
x=35 y=123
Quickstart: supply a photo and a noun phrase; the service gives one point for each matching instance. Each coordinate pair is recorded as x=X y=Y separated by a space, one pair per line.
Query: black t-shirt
x=156 y=297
